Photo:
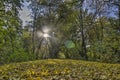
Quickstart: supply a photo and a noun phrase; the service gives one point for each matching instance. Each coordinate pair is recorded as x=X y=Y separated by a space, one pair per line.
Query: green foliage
x=61 y=55
x=10 y=29
x=60 y=69
x=67 y=20
x=18 y=57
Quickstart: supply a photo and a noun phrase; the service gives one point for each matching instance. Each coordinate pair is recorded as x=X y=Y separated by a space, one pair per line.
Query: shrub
x=18 y=57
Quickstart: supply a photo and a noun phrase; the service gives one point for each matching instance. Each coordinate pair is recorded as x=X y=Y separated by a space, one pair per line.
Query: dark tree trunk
x=33 y=35
x=84 y=50
x=34 y=26
x=119 y=14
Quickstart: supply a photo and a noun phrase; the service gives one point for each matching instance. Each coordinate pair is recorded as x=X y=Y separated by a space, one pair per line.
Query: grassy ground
x=57 y=69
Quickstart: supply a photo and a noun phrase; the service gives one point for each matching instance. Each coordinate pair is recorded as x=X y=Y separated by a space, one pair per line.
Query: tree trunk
x=84 y=50
x=33 y=37
x=34 y=26
x=119 y=14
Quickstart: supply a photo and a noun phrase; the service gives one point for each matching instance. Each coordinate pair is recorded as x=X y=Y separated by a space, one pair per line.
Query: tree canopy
x=73 y=29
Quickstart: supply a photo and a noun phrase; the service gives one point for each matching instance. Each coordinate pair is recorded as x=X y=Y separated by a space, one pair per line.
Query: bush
x=18 y=57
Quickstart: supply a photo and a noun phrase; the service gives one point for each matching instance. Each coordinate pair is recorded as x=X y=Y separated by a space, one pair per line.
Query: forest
x=60 y=40
x=60 y=29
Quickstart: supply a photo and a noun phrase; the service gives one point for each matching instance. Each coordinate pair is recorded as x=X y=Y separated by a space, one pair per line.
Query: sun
x=46 y=35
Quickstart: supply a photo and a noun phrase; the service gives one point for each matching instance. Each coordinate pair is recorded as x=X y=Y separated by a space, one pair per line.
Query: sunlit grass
x=57 y=69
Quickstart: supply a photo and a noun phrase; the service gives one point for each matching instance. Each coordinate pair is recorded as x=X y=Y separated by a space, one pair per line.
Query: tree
x=10 y=27
x=115 y=3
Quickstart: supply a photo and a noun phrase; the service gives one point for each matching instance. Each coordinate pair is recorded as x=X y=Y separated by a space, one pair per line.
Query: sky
x=25 y=14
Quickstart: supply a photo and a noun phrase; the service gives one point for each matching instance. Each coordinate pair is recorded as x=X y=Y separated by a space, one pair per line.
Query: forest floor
x=60 y=69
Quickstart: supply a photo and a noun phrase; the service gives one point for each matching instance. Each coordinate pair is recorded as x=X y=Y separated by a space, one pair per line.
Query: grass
x=56 y=69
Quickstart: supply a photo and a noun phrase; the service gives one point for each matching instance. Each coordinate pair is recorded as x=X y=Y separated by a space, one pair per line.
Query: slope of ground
x=60 y=70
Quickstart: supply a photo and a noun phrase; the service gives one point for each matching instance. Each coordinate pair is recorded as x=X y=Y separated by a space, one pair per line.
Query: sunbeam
x=47 y=40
